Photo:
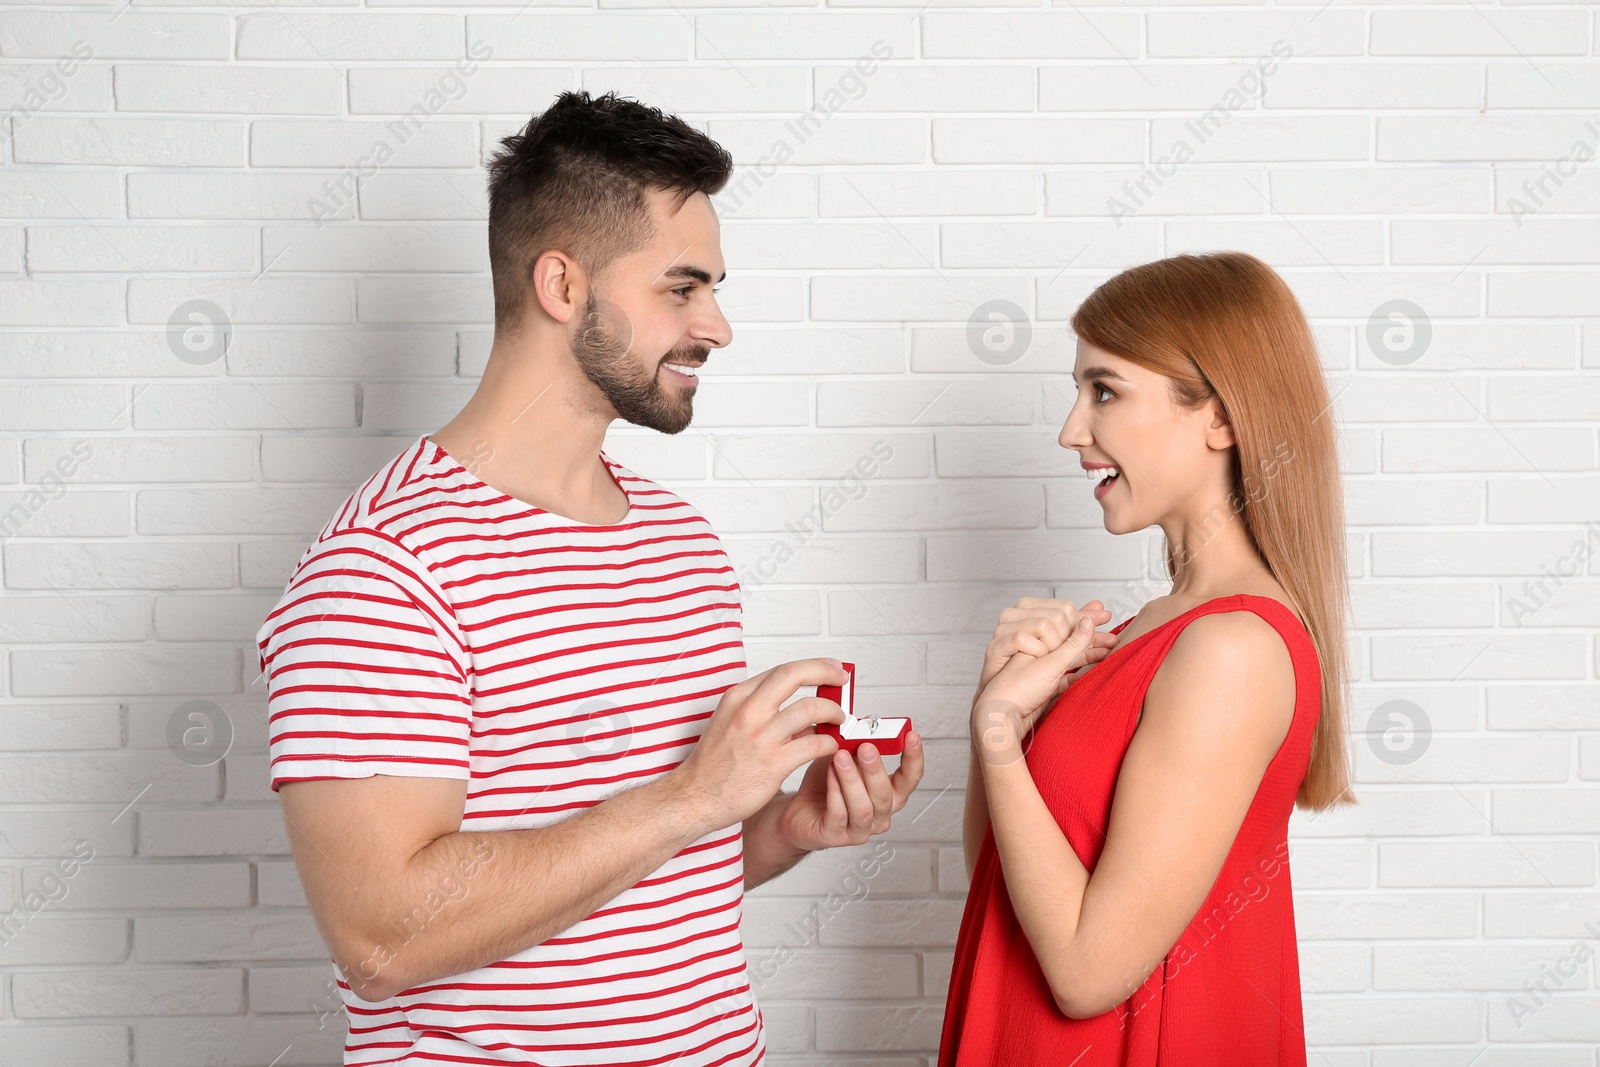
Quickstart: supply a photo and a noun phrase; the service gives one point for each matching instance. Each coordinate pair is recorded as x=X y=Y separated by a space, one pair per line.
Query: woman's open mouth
x=1107 y=481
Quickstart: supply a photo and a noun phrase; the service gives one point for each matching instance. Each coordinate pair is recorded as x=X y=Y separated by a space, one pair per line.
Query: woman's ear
x=1219 y=428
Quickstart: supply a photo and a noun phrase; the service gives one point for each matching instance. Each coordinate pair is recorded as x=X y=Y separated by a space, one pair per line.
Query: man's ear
x=560 y=285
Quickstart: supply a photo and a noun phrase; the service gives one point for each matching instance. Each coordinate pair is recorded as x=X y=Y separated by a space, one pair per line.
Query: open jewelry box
x=888 y=735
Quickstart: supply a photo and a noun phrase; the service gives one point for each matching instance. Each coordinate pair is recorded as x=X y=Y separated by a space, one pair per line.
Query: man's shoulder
x=390 y=512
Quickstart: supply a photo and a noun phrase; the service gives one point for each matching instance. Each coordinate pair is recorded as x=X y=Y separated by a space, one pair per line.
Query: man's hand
x=844 y=800
x=751 y=743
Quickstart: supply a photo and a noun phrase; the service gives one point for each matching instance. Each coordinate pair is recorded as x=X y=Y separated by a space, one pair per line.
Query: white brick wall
x=1441 y=154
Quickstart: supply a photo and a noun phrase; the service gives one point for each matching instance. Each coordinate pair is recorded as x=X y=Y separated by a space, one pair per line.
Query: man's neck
x=531 y=431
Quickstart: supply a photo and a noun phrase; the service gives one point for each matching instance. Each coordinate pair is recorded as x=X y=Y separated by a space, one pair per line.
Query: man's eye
x=684 y=292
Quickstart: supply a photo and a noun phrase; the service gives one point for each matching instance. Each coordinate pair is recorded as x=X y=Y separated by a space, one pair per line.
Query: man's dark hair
x=575 y=179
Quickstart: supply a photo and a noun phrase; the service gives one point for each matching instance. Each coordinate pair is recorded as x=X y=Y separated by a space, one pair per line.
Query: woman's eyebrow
x=1100 y=372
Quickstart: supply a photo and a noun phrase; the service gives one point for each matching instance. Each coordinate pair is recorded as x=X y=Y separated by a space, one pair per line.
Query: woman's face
x=1167 y=458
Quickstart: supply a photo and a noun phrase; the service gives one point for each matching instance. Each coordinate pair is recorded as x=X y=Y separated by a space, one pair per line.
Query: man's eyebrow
x=683 y=270
x=1102 y=372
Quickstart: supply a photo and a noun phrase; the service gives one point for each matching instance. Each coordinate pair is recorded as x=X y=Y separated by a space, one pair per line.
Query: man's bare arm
x=402 y=896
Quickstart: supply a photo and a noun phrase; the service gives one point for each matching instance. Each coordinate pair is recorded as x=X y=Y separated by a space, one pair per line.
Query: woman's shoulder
x=1234 y=665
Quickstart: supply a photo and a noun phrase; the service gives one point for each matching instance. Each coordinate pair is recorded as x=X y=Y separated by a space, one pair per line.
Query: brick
x=1049 y=35
x=38 y=194
x=228 y=89
x=115 y=781
x=733 y=36
x=144 y=991
x=115 y=565
x=232 y=195
x=60 y=941
x=153 y=249
x=236 y=1042
x=55 y=834
x=119 y=141
x=594 y=36
x=329 y=37
x=136 y=35
x=141 y=458
x=221 y=938
x=404 y=141
x=1428 y=864
x=1453 y=33
x=462 y=88
x=60 y=618
x=829 y=245
x=97 y=1045
x=1037 y=140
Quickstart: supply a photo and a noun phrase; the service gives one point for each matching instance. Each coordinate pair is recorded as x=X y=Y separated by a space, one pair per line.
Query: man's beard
x=603 y=347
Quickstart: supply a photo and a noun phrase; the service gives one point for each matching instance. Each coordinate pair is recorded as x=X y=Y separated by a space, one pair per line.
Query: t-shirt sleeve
x=366 y=667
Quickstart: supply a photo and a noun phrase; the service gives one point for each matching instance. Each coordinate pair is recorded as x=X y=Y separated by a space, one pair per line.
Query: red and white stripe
x=439 y=628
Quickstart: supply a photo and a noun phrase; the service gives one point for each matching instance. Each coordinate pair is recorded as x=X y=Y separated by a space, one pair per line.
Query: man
x=525 y=777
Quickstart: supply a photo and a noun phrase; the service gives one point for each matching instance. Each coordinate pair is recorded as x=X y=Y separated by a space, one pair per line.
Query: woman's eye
x=1098 y=389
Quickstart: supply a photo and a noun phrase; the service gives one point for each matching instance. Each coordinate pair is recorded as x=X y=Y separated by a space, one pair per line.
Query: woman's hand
x=1035 y=646
x=1037 y=627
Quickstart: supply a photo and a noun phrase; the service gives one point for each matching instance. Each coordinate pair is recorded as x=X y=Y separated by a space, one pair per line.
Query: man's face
x=652 y=310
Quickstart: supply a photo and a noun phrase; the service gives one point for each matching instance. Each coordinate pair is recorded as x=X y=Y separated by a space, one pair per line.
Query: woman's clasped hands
x=1036 y=645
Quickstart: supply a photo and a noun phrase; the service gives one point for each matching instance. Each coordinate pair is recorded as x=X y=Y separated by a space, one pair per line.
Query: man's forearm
x=471 y=898
x=767 y=853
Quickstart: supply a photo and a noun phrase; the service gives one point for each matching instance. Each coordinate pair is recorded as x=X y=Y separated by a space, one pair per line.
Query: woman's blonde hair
x=1224 y=324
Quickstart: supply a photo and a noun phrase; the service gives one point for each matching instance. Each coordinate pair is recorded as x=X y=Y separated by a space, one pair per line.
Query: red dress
x=1228 y=993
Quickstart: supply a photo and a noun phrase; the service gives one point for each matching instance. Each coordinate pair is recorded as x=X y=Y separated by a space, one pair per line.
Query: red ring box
x=889 y=737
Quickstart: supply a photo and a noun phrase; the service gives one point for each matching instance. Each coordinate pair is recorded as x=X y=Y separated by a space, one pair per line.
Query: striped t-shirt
x=439 y=628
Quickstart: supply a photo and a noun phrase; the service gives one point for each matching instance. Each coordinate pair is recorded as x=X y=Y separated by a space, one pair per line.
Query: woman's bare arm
x=1034 y=625
x=1215 y=714
x=975 y=817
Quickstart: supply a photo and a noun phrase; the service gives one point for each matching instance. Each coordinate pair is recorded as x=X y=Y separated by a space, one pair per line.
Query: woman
x=1130 y=792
